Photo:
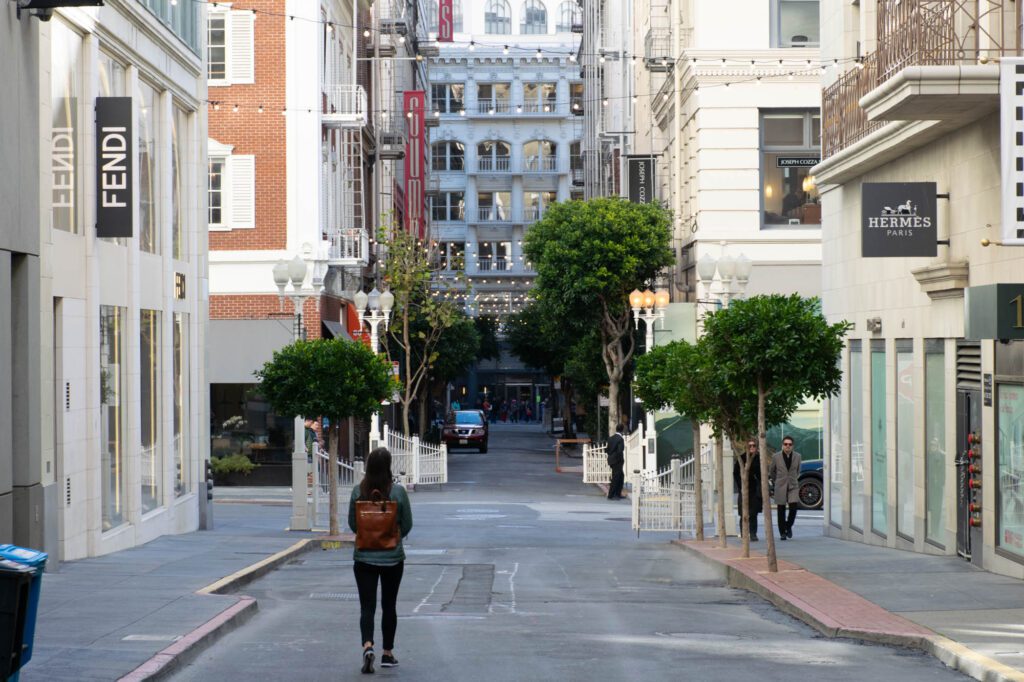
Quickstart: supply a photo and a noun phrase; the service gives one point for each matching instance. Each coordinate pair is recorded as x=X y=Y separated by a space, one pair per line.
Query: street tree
x=487 y=329
x=457 y=349
x=588 y=256
x=782 y=348
x=424 y=308
x=331 y=378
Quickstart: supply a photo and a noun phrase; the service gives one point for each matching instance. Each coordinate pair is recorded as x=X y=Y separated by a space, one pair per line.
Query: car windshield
x=467 y=418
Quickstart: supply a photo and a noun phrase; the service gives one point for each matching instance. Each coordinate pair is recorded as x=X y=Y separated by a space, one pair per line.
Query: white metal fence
x=414 y=462
x=665 y=500
x=595 y=459
x=349 y=475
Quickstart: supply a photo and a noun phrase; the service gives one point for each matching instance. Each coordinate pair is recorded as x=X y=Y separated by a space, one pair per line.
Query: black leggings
x=390 y=578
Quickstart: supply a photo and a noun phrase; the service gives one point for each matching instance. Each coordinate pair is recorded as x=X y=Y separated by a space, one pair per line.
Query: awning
x=337 y=330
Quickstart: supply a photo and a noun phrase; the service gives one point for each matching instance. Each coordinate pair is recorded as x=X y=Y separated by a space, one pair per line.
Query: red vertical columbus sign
x=415 y=157
x=446 y=21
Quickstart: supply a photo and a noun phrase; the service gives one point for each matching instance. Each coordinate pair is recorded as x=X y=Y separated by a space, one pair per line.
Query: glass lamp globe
x=387 y=301
x=661 y=298
x=706 y=267
x=636 y=298
x=648 y=298
x=360 y=300
x=297 y=271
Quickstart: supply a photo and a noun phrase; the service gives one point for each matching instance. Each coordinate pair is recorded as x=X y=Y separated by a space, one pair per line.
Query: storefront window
x=113 y=373
x=182 y=463
x=179 y=145
x=65 y=90
x=150 y=461
x=857 y=466
x=879 y=451
x=905 y=438
x=149 y=209
x=790 y=147
x=1010 y=536
x=835 y=424
x=935 y=441
x=241 y=422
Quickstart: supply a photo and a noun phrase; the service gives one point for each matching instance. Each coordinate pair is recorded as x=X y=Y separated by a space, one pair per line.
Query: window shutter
x=242 y=67
x=242 y=204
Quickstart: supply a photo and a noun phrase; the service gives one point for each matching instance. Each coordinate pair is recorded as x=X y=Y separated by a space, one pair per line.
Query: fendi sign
x=114 y=167
x=898 y=219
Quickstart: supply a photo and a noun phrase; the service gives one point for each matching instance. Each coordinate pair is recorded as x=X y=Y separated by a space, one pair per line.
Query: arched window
x=498 y=17
x=569 y=15
x=433 y=17
x=534 y=18
x=458 y=16
x=448 y=156
x=539 y=156
x=493 y=156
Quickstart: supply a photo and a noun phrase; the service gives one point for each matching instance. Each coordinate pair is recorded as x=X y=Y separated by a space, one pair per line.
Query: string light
x=504 y=50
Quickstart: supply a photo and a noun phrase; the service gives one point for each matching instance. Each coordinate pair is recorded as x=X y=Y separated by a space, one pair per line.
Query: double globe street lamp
x=649 y=306
x=374 y=308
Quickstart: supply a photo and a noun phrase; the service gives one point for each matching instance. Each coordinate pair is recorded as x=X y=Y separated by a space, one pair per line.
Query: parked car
x=465 y=429
x=812 y=484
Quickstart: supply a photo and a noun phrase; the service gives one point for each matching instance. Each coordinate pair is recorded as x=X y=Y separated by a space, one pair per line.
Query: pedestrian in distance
x=784 y=473
x=753 y=486
x=380 y=515
x=616 y=452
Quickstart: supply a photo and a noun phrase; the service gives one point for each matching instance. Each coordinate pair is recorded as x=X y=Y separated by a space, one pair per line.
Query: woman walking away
x=380 y=515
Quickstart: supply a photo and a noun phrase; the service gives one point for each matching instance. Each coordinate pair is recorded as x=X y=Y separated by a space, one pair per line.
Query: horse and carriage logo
x=905 y=209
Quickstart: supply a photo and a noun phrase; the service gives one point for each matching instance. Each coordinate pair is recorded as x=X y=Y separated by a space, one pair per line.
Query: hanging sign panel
x=114 y=167
x=1011 y=143
x=415 y=160
x=641 y=179
x=445 y=21
x=898 y=219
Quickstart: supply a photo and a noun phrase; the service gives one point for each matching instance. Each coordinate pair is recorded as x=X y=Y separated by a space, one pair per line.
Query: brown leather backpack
x=376 y=523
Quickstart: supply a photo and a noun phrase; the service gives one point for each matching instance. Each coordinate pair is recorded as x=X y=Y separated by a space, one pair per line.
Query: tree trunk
x=762 y=444
x=744 y=502
x=332 y=488
x=720 y=486
x=698 y=485
x=421 y=420
x=406 y=395
x=613 y=399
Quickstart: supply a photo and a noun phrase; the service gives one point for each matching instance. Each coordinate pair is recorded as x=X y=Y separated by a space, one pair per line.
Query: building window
x=795 y=23
x=447 y=206
x=1010 y=468
x=231 y=188
x=448 y=98
x=493 y=156
x=935 y=440
x=150 y=461
x=540 y=97
x=535 y=203
x=230 y=47
x=66 y=93
x=879 y=448
x=569 y=15
x=540 y=156
x=857 y=462
x=181 y=17
x=241 y=421
x=182 y=462
x=451 y=255
x=493 y=256
x=448 y=156
x=836 y=468
x=494 y=206
x=497 y=17
x=113 y=376
x=494 y=98
x=790 y=146
x=905 y=438
x=216 y=191
x=534 y=19
x=149 y=160
x=576 y=98
x=179 y=184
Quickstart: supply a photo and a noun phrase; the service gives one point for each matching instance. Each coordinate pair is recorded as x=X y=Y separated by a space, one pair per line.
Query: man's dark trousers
x=615 y=487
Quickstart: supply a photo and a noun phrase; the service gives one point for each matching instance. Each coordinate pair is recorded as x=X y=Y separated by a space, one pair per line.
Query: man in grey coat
x=616 y=459
x=784 y=473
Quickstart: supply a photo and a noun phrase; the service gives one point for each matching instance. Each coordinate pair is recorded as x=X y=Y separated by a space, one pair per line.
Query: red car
x=465 y=429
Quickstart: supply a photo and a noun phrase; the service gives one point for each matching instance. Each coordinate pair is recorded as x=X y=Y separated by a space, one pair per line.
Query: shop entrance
x=968 y=497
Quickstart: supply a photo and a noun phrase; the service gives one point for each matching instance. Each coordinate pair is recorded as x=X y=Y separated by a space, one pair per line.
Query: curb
x=188 y=648
x=953 y=654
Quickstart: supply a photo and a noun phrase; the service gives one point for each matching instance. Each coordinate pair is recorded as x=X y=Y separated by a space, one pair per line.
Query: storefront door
x=968 y=432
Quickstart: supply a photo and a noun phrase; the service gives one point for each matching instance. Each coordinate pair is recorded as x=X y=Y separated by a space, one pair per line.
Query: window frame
x=452 y=211
x=442 y=93
x=448 y=156
x=806 y=149
x=494 y=21
x=223 y=160
x=529 y=21
x=224 y=15
x=777 y=41
x=569 y=9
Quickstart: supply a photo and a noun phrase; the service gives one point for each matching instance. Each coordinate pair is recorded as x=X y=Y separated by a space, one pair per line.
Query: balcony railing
x=917 y=33
x=546 y=107
x=348 y=247
x=532 y=215
x=492 y=264
x=540 y=164
x=494 y=107
x=493 y=214
x=344 y=104
x=658 y=54
x=494 y=164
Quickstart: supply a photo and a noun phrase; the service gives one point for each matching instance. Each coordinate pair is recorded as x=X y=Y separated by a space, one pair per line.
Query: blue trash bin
x=15 y=583
x=37 y=561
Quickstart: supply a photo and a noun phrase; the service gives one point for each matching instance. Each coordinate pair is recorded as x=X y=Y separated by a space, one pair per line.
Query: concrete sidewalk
x=103 y=618
x=970 y=619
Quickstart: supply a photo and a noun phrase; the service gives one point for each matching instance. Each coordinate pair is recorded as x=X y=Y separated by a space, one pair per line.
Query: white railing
x=349 y=245
x=595 y=459
x=487 y=106
x=545 y=107
x=635 y=451
x=349 y=475
x=532 y=215
x=414 y=462
x=540 y=164
x=662 y=500
x=494 y=164
x=492 y=214
x=487 y=264
x=344 y=102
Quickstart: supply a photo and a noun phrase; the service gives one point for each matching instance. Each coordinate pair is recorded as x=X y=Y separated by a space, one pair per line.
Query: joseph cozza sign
x=898 y=219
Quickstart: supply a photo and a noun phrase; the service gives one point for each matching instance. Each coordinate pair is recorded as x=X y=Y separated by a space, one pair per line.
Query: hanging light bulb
x=540 y=53
x=235 y=109
x=260 y=109
x=601 y=58
x=472 y=46
x=366 y=33
x=330 y=26
x=504 y=50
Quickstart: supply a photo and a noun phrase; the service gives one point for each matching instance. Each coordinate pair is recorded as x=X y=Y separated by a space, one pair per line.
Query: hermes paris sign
x=898 y=219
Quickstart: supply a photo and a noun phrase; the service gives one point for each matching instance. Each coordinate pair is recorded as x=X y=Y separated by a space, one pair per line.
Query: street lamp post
x=379 y=305
x=294 y=271
x=729 y=269
x=650 y=307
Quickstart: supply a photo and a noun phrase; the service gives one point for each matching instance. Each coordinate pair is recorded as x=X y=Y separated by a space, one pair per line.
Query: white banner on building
x=1011 y=95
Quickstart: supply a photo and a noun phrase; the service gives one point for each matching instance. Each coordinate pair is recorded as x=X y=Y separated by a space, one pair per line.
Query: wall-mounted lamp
x=874 y=325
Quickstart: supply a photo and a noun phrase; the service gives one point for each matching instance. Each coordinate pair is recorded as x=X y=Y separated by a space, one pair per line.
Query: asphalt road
x=515 y=572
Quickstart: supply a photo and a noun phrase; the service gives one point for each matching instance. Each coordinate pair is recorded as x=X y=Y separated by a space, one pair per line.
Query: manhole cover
x=334 y=596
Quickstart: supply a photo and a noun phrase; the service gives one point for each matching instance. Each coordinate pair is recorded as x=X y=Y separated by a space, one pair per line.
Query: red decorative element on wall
x=415 y=102
x=445 y=21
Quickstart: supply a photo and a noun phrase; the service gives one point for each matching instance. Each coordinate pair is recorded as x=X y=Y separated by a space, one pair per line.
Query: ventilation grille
x=67 y=491
x=968 y=366
x=67 y=395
